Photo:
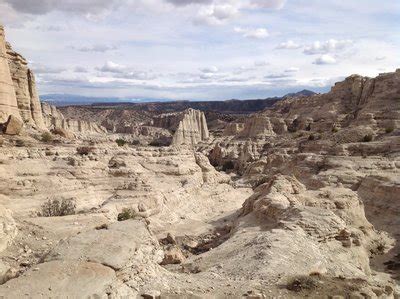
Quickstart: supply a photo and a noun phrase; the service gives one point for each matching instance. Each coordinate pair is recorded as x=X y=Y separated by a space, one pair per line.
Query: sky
x=201 y=49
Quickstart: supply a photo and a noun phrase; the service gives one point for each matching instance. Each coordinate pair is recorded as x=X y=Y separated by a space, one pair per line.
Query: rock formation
x=191 y=129
x=54 y=119
x=25 y=89
x=8 y=99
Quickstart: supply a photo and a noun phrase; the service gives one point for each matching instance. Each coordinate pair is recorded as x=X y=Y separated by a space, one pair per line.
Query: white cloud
x=259 y=33
x=210 y=69
x=288 y=45
x=292 y=70
x=325 y=59
x=80 y=69
x=95 y=48
x=216 y=14
x=260 y=63
x=111 y=67
x=274 y=4
x=329 y=46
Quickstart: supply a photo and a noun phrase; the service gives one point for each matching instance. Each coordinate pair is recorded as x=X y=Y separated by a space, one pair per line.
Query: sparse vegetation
x=55 y=207
x=85 y=150
x=46 y=137
x=368 y=138
x=303 y=282
x=228 y=165
x=389 y=130
x=335 y=129
x=127 y=213
x=121 y=142
x=311 y=137
x=135 y=142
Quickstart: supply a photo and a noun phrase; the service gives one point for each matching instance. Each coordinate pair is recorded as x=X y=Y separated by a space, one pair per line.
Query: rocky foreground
x=300 y=200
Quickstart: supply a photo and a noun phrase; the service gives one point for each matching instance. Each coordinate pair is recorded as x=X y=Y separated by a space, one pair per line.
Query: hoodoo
x=8 y=99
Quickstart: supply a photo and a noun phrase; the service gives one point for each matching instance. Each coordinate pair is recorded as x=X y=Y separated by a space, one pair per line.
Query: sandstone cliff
x=191 y=129
x=8 y=99
x=25 y=89
x=55 y=119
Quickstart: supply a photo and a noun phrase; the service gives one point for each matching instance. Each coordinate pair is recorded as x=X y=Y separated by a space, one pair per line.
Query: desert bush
x=85 y=150
x=368 y=138
x=127 y=213
x=55 y=207
x=19 y=143
x=303 y=282
x=335 y=129
x=389 y=130
x=121 y=142
x=228 y=165
x=311 y=137
x=135 y=142
x=46 y=137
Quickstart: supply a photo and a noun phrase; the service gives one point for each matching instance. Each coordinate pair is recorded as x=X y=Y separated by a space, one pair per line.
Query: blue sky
x=201 y=49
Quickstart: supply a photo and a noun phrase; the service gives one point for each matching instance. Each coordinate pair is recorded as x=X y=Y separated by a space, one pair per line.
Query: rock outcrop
x=191 y=129
x=8 y=99
x=54 y=119
x=25 y=89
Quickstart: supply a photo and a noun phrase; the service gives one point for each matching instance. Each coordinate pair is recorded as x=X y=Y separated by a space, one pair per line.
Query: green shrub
x=228 y=165
x=127 y=213
x=368 y=138
x=85 y=150
x=121 y=142
x=55 y=207
x=389 y=130
x=302 y=282
x=46 y=137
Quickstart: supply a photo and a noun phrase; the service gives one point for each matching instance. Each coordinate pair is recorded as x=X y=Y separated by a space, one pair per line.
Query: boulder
x=13 y=125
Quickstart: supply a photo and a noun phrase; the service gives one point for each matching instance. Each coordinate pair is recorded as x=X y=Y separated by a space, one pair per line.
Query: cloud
x=277 y=76
x=189 y=2
x=80 y=69
x=292 y=70
x=95 y=48
x=111 y=67
x=259 y=33
x=210 y=69
x=274 y=4
x=260 y=63
x=379 y=58
x=44 y=69
x=40 y=7
x=216 y=14
x=290 y=45
x=325 y=59
x=329 y=46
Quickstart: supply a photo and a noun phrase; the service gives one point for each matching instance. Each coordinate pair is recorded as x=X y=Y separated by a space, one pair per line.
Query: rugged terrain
x=299 y=200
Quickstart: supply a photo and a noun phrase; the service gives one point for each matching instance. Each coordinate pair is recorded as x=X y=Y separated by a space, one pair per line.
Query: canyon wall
x=8 y=99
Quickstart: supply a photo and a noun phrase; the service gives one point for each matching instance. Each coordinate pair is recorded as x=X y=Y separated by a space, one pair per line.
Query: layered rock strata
x=192 y=129
x=8 y=99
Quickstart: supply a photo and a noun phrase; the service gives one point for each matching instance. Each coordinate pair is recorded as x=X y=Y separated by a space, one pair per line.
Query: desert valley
x=289 y=197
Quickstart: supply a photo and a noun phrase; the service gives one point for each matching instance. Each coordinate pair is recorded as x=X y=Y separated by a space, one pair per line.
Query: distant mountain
x=164 y=105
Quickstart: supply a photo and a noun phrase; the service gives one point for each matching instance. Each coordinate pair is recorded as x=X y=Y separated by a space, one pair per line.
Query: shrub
x=228 y=165
x=127 y=213
x=389 y=130
x=121 y=142
x=46 y=137
x=19 y=143
x=368 y=138
x=55 y=207
x=311 y=137
x=335 y=129
x=85 y=150
x=303 y=282
x=135 y=142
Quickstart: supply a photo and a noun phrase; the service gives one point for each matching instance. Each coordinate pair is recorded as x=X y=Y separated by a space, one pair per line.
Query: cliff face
x=191 y=129
x=8 y=99
x=25 y=89
x=55 y=119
